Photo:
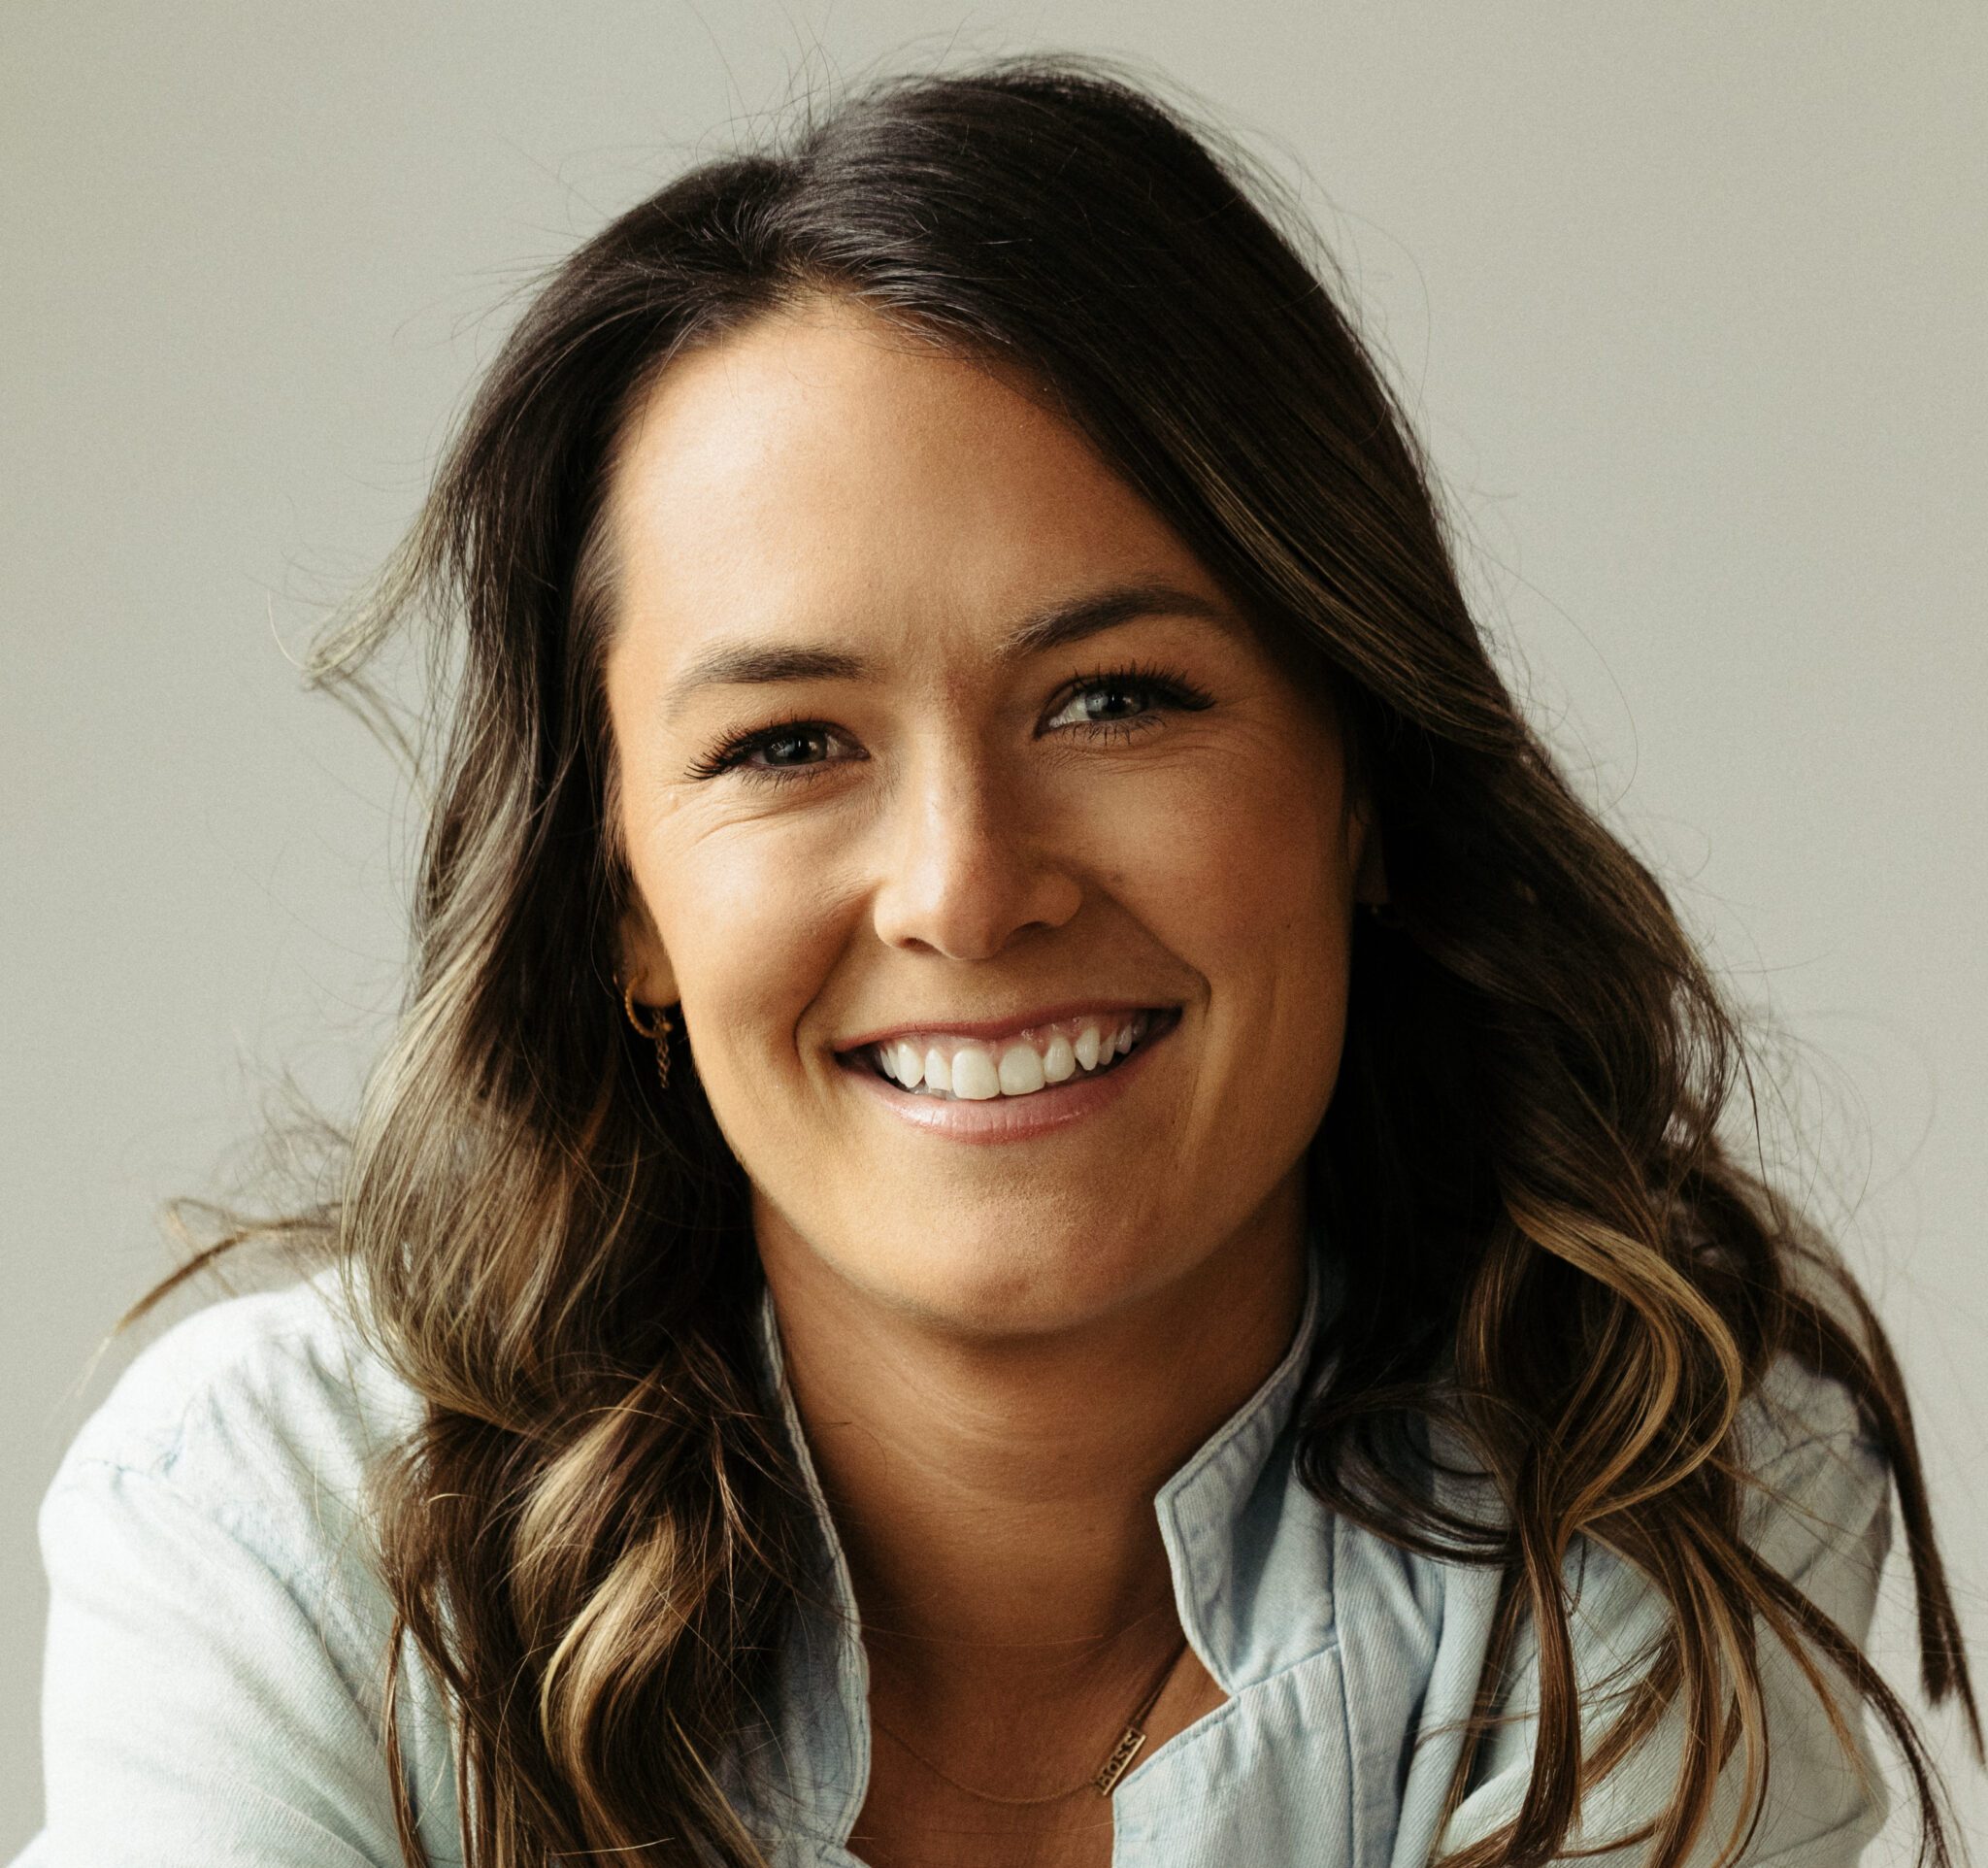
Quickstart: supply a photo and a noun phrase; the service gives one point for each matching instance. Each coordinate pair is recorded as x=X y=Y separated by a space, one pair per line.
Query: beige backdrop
x=1689 y=300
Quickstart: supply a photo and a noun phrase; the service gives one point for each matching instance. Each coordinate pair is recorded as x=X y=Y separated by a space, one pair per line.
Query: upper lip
x=1009 y=1026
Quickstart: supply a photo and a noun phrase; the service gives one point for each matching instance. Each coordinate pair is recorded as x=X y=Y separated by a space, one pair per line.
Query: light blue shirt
x=217 y=1640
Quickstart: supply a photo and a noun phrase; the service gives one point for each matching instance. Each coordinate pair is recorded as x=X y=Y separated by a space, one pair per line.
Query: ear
x=1370 y=860
x=643 y=964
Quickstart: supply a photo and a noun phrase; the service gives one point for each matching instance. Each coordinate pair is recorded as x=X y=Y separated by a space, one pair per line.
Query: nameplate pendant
x=1119 y=1762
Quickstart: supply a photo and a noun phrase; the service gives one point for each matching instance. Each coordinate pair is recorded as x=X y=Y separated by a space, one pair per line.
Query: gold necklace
x=1103 y=1779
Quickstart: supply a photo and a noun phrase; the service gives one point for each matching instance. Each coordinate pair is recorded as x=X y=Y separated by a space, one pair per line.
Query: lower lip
x=1010 y=1118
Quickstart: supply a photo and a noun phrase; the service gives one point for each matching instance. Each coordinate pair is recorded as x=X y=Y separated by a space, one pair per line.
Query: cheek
x=1246 y=866
x=1249 y=884
x=752 y=930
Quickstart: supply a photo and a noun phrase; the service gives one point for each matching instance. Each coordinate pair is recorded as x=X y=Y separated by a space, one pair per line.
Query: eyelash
x=1161 y=689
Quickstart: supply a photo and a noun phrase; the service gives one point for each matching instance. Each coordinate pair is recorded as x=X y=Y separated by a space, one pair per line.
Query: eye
x=1118 y=703
x=788 y=747
x=791 y=746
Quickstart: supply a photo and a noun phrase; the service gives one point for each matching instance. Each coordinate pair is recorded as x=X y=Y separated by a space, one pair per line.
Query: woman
x=1044 y=1199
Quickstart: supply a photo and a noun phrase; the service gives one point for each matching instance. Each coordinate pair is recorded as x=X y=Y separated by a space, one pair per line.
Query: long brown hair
x=594 y=1540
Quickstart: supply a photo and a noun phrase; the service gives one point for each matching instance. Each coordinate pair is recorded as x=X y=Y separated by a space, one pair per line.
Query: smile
x=946 y=1067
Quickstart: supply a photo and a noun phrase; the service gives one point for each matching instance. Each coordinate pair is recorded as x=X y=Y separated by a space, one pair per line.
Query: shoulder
x=261 y=1413
x=219 y=1629
x=1814 y=1504
x=1818 y=1488
x=1794 y=1409
x=1816 y=1507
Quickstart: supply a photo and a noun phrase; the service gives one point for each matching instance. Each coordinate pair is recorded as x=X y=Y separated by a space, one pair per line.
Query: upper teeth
x=974 y=1070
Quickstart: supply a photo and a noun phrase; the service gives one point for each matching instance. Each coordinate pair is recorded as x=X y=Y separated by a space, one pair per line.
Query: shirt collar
x=1249 y=1554
x=1248 y=1548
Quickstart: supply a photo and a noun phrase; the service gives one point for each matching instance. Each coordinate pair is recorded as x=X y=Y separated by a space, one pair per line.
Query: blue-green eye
x=773 y=751
x=800 y=746
x=1117 y=702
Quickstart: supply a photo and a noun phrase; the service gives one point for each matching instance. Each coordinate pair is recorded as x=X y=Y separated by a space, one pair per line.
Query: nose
x=971 y=862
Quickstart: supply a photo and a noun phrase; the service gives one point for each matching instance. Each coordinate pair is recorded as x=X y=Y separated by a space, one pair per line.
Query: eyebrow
x=1055 y=625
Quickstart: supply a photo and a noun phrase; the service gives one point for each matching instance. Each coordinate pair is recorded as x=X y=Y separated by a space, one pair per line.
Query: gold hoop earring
x=658 y=1033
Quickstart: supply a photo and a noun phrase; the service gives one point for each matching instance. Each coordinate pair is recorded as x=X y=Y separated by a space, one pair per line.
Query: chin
x=993 y=1286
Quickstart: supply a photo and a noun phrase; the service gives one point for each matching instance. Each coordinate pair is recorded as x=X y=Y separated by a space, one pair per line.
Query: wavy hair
x=595 y=1539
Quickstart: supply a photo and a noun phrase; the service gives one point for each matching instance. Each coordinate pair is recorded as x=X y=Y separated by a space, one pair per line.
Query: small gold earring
x=658 y=1033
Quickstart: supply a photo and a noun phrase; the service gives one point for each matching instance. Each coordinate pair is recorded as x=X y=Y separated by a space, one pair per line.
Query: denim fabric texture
x=218 y=1640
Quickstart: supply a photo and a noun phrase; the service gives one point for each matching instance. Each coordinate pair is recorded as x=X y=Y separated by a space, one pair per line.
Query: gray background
x=1688 y=299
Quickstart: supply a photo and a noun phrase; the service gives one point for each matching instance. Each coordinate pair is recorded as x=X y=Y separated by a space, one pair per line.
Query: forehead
x=824 y=470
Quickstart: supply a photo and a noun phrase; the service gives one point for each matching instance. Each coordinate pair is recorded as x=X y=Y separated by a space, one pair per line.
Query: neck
x=995 y=1495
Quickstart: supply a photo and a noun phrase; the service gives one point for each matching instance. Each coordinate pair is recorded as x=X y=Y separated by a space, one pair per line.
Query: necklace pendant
x=1119 y=1762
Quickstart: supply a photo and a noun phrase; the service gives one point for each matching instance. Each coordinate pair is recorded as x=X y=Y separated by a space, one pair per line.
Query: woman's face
x=940 y=754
